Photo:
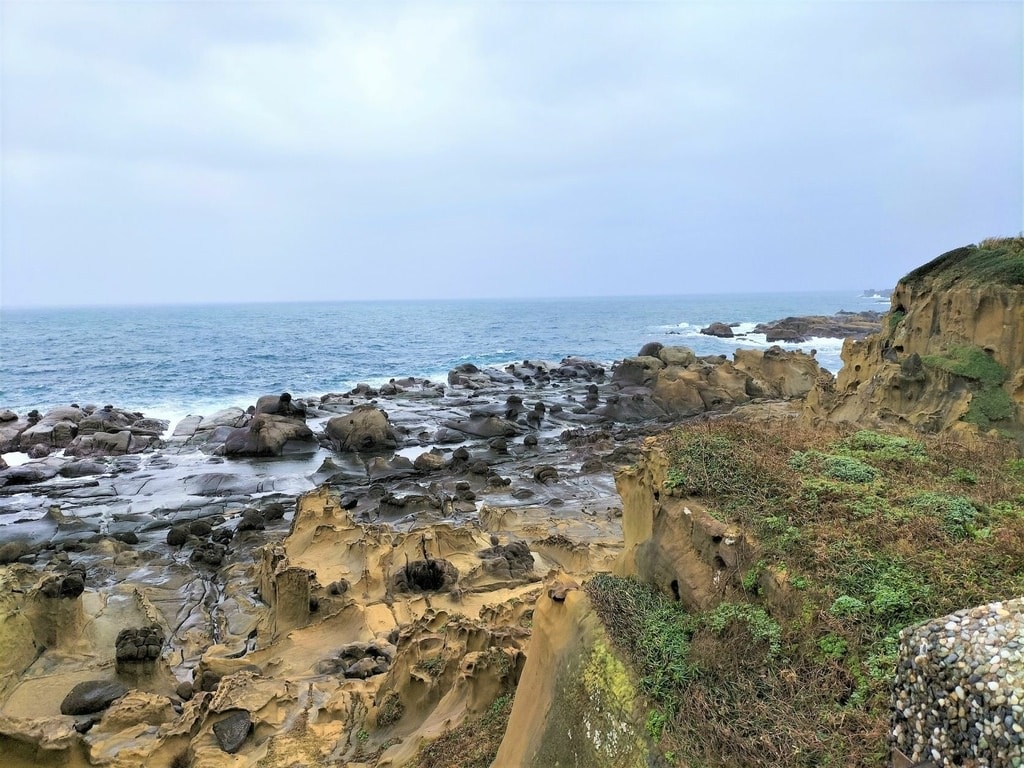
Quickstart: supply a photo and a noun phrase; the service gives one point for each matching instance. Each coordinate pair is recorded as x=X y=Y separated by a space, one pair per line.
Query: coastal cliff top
x=996 y=260
x=847 y=538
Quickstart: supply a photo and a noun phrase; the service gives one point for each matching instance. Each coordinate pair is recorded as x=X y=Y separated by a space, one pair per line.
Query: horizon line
x=260 y=302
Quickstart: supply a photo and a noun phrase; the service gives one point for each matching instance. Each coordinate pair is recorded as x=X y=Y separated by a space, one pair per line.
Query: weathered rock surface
x=395 y=601
x=926 y=368
x=721 y=330
x=364 y=429
x=842 y=325
x=269 y=434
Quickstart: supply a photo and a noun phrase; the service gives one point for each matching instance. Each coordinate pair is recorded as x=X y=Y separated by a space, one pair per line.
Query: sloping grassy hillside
x=996 y=260
x=870 y=532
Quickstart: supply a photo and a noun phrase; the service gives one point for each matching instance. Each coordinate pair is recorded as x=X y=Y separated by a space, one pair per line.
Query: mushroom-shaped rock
x=429 y=462
x=92 y=696
x=366 y=428
x=281 y=405
x=136 y=646
x=270 y=435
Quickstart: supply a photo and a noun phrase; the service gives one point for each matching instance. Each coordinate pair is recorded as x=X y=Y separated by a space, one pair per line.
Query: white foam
x=15 y=458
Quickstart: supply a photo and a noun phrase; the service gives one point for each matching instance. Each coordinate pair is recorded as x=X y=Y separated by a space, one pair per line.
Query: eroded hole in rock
x=675 y=589
x=433 y=575
x=719 y=563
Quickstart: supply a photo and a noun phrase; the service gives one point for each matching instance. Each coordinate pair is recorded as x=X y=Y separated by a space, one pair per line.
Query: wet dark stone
x=252 y=521
x=138 y=644
x=177 y=535
x=339 y=587
x=209 y=553
x=545 y=474
x=516 y=556
x=232 y=731
x=209 y=681
x=92 y=696
x=273 y=511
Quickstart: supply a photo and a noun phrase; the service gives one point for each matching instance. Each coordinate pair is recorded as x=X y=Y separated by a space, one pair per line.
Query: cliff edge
x=950 y=353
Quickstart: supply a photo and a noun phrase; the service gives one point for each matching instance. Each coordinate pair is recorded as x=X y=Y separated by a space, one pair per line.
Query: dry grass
x=474 y=743
x=875 y=532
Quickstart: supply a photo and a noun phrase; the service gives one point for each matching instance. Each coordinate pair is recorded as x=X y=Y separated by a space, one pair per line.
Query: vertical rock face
x=673 y=543
x=951 y=349
x=576 y=703
x=958 y=688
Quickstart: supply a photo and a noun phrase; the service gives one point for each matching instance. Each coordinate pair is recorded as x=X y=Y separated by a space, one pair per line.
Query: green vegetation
x=473 y=743
x=995 y=260
x=432 y=665
x=971 y=363
x=989 y=401
x=989 y=405
x=390 y=711
x=884 y=531
x=895 y=318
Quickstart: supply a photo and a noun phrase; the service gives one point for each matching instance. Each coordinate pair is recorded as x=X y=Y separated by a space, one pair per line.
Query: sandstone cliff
x=950 y=352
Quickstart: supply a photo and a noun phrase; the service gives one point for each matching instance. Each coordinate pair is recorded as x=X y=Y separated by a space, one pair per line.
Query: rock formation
x=950 y=353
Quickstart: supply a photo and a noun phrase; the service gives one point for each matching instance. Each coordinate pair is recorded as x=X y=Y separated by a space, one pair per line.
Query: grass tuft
x=883 y=530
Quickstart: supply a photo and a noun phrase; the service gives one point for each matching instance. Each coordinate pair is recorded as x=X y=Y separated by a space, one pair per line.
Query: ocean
x=171 y=361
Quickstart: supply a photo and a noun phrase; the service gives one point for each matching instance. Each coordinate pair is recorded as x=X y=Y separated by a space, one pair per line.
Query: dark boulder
x=177 y=535
x=721 y=330
x=430 y=575
x=232 y=731
x=651 y=349
x=514 y=556
x=92 y=696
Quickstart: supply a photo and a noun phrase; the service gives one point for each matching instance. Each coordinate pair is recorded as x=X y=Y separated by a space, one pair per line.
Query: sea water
x=170 y=361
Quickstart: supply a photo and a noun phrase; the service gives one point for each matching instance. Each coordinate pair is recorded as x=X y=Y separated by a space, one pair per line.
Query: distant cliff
x=950 y=352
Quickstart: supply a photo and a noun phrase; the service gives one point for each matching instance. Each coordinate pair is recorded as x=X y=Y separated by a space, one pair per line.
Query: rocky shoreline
x=154 y=568
x=795 y=330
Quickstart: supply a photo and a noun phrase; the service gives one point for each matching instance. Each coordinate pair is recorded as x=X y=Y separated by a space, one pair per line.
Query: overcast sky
x=258 y=151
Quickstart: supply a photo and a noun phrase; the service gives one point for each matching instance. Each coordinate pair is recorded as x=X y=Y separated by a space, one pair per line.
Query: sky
x=170 y=152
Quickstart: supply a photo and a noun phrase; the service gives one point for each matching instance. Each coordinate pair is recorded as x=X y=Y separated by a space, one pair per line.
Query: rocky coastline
x=143 y=566
x=369 y=578
x=795 y=330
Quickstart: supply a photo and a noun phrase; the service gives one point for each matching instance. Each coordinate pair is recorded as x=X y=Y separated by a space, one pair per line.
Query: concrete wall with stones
x=958 y=697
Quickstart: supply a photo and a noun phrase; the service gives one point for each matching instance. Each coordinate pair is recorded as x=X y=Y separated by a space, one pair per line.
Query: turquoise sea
x=168 y=361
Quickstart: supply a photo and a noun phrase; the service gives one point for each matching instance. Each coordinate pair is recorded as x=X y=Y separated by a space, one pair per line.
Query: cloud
x=562 y=138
